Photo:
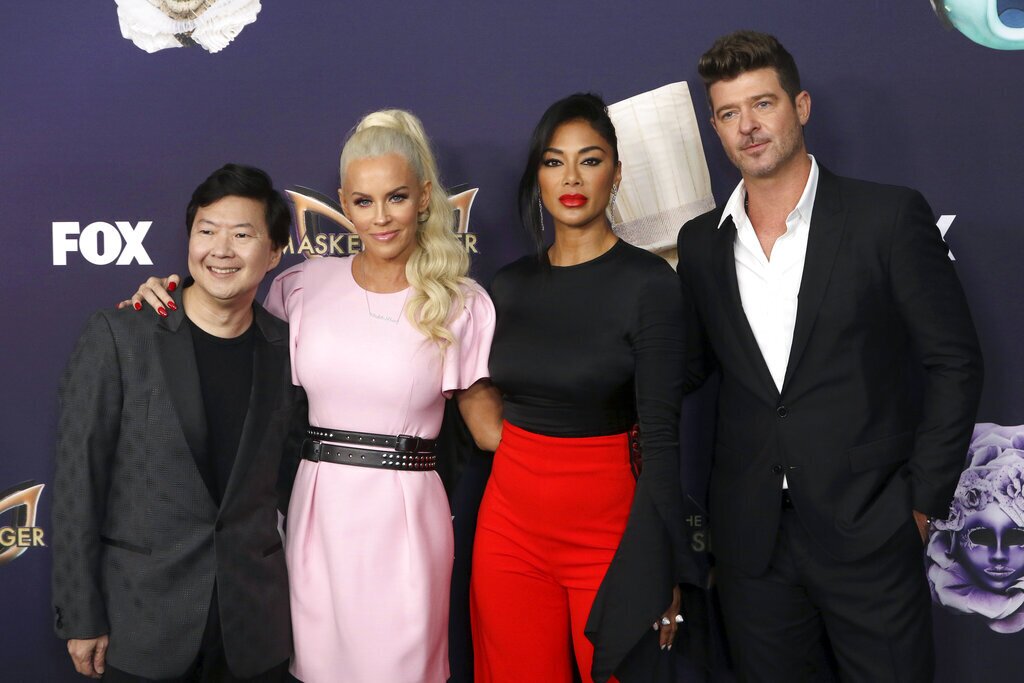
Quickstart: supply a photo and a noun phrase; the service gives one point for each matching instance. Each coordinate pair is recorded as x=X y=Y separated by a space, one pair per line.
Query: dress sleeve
x=659 y=348
x=465 y=361
x=284 y=300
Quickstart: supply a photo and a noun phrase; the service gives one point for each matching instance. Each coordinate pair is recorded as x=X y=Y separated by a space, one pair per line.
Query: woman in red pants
x=575 y=557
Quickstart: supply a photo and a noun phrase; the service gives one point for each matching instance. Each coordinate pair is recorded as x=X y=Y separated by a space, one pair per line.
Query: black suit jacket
x=879 y=301
x=138 y=540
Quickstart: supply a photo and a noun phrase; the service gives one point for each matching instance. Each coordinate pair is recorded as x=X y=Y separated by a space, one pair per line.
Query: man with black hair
x=821 y=301
x=167 y=560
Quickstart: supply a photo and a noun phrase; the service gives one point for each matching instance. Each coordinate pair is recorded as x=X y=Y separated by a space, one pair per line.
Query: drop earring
x=611 y=205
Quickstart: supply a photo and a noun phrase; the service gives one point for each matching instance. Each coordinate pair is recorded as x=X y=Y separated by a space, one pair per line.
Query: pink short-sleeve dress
x=370 y=550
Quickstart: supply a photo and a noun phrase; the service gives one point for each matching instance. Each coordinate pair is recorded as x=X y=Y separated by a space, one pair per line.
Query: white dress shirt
x=770 y=288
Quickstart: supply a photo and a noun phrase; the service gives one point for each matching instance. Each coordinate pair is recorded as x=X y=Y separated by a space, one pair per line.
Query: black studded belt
x=318 y=451
x=403 y=443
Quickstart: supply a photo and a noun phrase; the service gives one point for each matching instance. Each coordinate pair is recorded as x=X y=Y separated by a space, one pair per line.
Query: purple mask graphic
x=975 y=557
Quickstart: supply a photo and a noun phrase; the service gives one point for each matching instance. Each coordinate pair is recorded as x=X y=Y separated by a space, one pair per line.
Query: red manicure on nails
x=171 y=286
x=171 y=305
x=161 y=312
x=137 y=306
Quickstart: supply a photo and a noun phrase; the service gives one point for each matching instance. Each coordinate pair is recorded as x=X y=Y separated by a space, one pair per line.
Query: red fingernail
x=171 y=286
x=171 y=305
x=161 y=312
x=137 y=306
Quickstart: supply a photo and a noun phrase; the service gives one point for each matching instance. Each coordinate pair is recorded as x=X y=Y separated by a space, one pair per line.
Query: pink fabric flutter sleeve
x=284 y=300
x=465 y=362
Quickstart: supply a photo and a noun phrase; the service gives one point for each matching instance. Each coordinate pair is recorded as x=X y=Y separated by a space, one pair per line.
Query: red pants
x=551 y=519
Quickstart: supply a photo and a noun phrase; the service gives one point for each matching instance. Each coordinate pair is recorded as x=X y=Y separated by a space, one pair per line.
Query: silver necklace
x=381 y=316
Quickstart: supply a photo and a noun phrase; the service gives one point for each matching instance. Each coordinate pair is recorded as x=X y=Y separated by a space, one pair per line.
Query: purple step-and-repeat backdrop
x=102 y=142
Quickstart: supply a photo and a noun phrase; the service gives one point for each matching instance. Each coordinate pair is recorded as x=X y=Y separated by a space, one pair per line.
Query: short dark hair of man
x=236 y=180
x=744 y=51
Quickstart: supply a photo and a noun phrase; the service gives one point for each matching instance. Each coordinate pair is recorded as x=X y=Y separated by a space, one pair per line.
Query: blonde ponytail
x=438 y=266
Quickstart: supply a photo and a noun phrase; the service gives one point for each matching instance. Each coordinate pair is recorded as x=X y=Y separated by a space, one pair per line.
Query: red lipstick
x=573 y=200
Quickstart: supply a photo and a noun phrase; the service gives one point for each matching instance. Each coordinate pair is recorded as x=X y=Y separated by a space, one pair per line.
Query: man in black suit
x=850 y=376
x=168 y=563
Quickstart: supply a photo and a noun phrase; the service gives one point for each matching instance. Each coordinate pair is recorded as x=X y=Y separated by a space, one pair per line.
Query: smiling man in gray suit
x=167 y=559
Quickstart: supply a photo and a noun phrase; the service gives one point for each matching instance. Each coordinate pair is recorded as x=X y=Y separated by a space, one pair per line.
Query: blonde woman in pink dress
x=379 y=341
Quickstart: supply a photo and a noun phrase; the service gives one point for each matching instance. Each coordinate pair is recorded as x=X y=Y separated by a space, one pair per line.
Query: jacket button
x=782 y=411
x=218 y=526
x=777 y=469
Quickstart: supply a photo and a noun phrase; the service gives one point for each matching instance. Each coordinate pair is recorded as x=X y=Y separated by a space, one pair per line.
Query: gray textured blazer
x=138 y=540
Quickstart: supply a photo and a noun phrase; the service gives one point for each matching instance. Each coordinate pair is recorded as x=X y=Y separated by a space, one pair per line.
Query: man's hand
x=89 y=655
x=921 y=520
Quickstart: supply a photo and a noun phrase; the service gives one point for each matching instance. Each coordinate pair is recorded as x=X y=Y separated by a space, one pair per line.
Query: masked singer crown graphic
x=315 y=240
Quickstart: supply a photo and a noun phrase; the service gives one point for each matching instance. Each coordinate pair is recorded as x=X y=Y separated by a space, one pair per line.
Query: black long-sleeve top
x=585 y=350
x=590 y=350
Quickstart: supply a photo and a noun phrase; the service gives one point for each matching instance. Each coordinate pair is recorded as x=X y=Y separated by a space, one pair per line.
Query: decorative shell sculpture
x=159 y=24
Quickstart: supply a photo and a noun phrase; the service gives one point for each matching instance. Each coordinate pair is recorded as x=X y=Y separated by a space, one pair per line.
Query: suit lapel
x=828 y=220
x=181 y=375
x=268 y=369
x=725 y=272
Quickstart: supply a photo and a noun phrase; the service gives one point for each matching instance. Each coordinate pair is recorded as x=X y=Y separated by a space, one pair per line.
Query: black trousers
x=810 y=617
x=210 y=665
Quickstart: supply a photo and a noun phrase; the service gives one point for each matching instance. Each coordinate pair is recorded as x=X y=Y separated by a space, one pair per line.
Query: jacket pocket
x=125 y=545
x=887 y=451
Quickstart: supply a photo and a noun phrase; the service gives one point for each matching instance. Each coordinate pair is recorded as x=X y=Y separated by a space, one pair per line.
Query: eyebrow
x=584 y=150
x=363 y=194
x=227 y=225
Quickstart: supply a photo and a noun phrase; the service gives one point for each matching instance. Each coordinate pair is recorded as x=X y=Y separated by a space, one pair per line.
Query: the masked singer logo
x=314 y=239
x=22 y=502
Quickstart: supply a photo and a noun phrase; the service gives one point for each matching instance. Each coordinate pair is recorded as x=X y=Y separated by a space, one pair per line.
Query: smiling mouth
x=222 y=271
x=383 y=236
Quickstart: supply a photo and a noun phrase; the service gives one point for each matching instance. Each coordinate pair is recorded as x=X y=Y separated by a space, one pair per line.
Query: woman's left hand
x=670 y=621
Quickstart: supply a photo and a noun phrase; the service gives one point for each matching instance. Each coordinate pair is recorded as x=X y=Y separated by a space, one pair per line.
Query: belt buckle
x=316 y=451
x=405 y=443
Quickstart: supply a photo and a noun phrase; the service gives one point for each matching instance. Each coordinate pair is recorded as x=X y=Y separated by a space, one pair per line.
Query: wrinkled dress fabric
x=370 y=550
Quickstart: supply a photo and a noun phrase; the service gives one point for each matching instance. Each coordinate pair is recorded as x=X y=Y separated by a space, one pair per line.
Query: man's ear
x=275 y=258
x=803 y=106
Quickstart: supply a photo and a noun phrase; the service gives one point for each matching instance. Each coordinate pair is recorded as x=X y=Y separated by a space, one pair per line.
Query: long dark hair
x=580 y=106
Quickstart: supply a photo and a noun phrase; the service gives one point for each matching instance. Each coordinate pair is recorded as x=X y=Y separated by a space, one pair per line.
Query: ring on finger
x=679 y=619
